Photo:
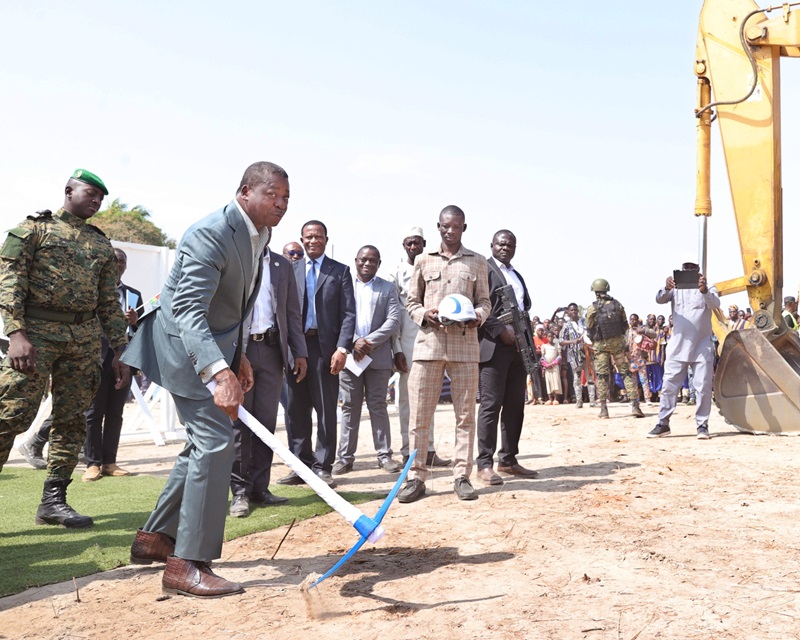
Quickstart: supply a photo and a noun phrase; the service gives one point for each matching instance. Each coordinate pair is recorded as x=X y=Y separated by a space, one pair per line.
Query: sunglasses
x=299 y=254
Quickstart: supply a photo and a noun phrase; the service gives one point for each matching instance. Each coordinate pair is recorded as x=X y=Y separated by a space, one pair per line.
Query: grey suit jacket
x=335 y=304
x=288 y=313
x=385 y=323
x=202 y=306
x=489 y=333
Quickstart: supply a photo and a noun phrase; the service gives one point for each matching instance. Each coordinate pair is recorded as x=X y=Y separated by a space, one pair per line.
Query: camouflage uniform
x=611 y=348
x=52 y=266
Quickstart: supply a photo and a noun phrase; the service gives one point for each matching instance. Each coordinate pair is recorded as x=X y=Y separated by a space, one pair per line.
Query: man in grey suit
x=276 y=345
x=325 y=290
x=196 y=336
x=377 y=320
x=502 y=374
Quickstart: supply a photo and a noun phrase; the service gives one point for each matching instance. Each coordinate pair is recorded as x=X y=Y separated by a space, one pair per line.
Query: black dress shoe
x=268 y=499
x=434 y=460
x=240 y=507
x=389 y=465
x=340 y=468
x=326 y=477
x=291 y=478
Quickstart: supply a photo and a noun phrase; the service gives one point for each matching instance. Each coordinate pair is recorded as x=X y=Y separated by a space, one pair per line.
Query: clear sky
x=570 y=123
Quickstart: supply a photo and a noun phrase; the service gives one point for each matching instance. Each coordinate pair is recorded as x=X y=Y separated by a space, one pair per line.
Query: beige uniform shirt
x=436 y=276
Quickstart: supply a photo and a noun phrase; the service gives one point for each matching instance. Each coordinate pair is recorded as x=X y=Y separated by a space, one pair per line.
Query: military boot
x=54 y=508
x=636 y=411
x=31 y=450
x=603 y=410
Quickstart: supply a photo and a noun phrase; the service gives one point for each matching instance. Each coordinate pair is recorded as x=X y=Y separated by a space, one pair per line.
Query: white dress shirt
x=364 y=307
x=513 y=279
x=258 y=241
x=264 y=307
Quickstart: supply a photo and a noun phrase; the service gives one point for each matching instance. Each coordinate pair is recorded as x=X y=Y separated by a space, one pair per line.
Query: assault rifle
x=518 y=319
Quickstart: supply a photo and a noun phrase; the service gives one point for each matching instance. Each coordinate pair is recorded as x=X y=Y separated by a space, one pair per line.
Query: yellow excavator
x=739 y=47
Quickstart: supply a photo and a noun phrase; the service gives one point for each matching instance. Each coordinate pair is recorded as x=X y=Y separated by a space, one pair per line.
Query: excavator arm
x=739 y=47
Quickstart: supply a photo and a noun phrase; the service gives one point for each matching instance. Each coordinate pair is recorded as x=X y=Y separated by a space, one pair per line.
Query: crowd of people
x=239 y=323
x=567 y=373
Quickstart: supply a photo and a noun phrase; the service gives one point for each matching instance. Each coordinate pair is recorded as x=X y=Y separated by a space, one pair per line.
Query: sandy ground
x=620 y=537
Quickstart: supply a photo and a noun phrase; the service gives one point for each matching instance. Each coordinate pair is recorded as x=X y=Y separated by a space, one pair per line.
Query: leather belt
x=311 y=332
x=270 y=337
x=59 y=316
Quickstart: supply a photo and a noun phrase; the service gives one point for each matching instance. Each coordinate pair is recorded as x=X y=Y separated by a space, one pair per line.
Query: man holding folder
x=368 y=371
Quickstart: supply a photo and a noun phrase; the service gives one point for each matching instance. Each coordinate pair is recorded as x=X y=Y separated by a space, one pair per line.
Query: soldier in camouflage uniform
x=58 y=292
x=607 y=322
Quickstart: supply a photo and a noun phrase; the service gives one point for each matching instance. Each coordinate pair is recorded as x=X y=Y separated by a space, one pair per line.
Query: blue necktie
x=311 y=287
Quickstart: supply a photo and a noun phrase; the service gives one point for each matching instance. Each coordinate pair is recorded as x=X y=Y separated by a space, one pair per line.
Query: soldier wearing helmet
x=606 y=322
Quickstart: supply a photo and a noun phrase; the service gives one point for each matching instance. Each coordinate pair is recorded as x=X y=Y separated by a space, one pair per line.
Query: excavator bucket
x=757 y=382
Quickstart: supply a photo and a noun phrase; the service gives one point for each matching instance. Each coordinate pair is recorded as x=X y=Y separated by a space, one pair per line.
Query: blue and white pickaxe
x=368 y=528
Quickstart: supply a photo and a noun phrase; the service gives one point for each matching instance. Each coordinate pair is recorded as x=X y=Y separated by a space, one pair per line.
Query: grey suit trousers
x=193 y=512
x=252 y=458
x=372 y=384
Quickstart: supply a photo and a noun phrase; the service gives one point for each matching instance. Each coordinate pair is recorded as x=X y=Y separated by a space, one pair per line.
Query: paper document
x=356 y=367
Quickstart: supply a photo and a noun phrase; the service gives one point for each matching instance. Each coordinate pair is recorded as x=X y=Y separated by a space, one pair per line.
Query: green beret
x=89 y=178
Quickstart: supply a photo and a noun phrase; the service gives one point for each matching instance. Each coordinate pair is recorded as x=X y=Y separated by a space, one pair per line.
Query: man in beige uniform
x=452 y=268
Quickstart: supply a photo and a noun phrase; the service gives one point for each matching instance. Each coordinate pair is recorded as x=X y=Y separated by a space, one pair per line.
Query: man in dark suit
x=276 y=345
x=377 y=320
x=104 y=415
x=502 y=373
x=195 y=337
x=329 y=320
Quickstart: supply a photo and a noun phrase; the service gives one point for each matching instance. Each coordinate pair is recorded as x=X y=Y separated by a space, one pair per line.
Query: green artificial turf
x=32 y=555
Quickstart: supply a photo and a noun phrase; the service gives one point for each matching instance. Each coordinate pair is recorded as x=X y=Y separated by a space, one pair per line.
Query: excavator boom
x=739 y=46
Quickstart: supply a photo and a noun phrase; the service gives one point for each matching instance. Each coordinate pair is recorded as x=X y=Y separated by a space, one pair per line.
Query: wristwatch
x=342 y=350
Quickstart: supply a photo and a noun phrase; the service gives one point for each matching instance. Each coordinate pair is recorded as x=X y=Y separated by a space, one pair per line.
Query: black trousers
x=502 y=389
x=104 y=418
x=317 y=392
x=252 y=459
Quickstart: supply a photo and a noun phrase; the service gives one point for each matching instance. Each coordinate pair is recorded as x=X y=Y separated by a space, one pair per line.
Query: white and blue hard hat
x=456 y=308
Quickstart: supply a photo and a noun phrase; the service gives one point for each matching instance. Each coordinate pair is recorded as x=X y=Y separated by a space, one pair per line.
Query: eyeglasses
x=298 y=254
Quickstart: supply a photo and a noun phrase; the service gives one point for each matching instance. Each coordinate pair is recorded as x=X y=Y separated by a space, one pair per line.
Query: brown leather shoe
x=195 y=579
x=487 y=476
x=115 y=470
x=518 y=470
x=91 y=474
x=149 y=547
